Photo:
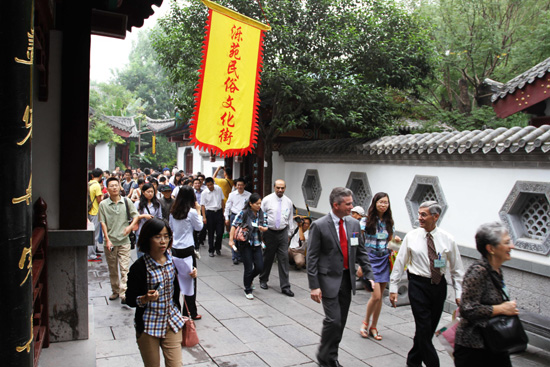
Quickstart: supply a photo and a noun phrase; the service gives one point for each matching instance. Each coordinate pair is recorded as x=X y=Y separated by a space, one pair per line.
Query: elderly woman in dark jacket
x=482 y=298
x=153 y=289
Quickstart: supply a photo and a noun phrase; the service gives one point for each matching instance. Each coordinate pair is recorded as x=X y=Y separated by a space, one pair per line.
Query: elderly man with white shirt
x=278 y=208
x=233 y=206
x=427 y=252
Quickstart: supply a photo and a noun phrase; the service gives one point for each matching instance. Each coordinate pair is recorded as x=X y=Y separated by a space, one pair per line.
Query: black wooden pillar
x=16 y=63
x=75 y=86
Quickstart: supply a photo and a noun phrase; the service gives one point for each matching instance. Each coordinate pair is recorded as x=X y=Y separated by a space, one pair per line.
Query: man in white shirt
x=212 y=206
x=233 y=206
x=427 y=251
x=278 y=208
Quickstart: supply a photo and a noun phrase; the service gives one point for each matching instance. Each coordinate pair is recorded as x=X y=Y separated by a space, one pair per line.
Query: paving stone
x=195 y=355
x=219 y=283
x=131 y=360
x=296 y=335
x=397 y=343
x=248 y=330
x=221 y=342
x=361 y=348
x=266 y=315
x=222 y=309
x=113 y=348
x=344 y=358
x=104 y=333
x=240 y=360
x=124 y=332
x=277 y=353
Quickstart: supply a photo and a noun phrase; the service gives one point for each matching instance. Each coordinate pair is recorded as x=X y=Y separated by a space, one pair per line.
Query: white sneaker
x=197 y=254
x=249 y=296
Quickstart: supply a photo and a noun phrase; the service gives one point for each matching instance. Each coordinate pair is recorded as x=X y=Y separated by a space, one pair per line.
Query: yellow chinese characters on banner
x=227 y=96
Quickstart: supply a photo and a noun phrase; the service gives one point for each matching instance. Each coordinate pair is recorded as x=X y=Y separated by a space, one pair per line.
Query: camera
x=298 y=219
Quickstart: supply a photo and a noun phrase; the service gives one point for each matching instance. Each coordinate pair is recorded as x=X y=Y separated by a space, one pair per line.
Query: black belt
x=422 y=279
x=213 y=211
x=277 y=230
x=182 y=253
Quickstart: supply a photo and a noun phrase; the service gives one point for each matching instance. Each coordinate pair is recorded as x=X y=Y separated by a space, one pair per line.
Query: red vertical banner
x=227 y=96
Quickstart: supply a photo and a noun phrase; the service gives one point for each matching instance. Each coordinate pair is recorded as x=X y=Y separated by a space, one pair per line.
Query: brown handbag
x=189 y=337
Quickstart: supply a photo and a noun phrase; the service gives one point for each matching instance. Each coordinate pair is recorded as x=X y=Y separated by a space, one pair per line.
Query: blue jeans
x=253 y=261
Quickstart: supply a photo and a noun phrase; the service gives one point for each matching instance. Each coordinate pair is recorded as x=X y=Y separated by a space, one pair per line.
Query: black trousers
x=253 y=264
x=473 y=357
x=336 y=315
x=214 y=226
x=427 y=305
x=199 y=237
x=190 y=301
x=276 y=243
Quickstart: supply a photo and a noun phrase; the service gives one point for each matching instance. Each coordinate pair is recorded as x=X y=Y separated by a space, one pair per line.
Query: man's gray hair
x=338 y=194
x=433 y=207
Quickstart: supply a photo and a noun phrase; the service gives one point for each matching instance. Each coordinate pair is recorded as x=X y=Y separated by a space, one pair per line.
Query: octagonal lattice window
x=311 y=187
x=526 y=213
x=424 y=188
x=359 y=185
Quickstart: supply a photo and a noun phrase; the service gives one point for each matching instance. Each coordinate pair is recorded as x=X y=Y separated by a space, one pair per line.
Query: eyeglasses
x=383 y=203
x=160 y=237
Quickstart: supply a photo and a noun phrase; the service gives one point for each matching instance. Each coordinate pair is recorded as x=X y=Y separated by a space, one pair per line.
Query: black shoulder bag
x=504 y=333
x=132 y=235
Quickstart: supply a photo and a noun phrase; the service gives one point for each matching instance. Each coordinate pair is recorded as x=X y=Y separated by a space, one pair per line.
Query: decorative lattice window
x=534 y=217
x=424 y=188
x=311 y=187
x=358 y=183
x=526 y=213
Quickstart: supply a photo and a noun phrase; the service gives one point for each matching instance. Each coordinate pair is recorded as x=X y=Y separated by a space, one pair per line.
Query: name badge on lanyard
x=439 y=263
x=354 y=240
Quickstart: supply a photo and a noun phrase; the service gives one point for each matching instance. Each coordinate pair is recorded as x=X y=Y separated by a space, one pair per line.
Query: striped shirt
x=379 y=240
x=162 y=313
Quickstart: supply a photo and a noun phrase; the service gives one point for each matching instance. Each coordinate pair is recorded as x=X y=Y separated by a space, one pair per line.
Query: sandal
x=375 y=333
x=364 y=331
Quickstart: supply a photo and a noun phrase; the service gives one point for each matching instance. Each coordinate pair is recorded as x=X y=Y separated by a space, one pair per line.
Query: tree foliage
x=327 y=64
x=145 y=78
x=479 y=39
x=101 y=131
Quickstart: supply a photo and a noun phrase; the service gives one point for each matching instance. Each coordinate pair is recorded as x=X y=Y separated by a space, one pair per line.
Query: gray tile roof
x=529 y=76
x=123 y=123
x=160 y=125
x=499 y=140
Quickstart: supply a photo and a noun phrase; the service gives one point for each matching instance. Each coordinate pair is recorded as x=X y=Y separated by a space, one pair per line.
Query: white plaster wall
x=474 y=195
x=180 y=157
x=279 y=168
x=197 y=160
x=46 y=136
x=112 y=158
x=102 y=156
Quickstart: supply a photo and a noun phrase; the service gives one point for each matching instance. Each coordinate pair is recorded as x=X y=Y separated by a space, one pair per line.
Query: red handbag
x=189 y=337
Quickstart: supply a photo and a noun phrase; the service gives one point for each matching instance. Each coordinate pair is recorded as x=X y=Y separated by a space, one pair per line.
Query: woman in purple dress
x=379 y=232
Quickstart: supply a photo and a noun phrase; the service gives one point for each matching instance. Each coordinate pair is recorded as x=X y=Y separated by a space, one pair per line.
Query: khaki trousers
x=170 y=345
x=298 y=256
x=119 y=257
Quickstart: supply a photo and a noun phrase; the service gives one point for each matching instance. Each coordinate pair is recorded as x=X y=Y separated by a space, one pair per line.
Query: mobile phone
x=156 y=286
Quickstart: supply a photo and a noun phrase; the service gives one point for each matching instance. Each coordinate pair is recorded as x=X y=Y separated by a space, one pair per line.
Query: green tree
x=479 y=39
x=327 y=64
x=165 y=155
x=145 y=78
x=101 y=131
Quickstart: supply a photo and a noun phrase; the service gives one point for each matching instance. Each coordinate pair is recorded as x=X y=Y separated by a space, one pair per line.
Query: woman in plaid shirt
x=154 y=291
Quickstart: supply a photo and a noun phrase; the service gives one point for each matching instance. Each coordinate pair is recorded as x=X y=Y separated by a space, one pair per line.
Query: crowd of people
x=172 y=214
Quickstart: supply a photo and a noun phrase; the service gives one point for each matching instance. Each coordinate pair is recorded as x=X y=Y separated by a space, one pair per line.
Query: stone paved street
x=271 y=330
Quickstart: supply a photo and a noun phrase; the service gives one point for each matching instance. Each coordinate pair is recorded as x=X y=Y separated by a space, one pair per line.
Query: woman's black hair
x=372 y=216
x=151 y=228
x=184 y=202
x=143 y=199
x=252 y=199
